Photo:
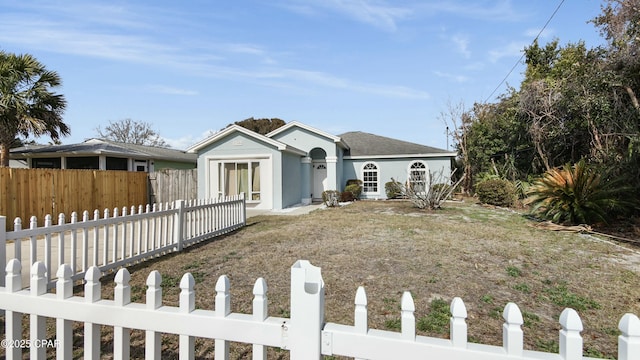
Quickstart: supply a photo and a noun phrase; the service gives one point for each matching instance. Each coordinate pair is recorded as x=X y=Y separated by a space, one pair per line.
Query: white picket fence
x=305 y=334
x=121 y=237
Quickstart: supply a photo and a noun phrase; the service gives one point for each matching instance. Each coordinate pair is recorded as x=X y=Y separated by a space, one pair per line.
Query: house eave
x=336 y=139
x=236 y=128
x=402 y=156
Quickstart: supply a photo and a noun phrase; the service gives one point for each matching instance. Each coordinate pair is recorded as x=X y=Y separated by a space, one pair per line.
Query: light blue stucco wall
x=392 y=168
x=239 y=145
x=291 y=179
x=306 y=140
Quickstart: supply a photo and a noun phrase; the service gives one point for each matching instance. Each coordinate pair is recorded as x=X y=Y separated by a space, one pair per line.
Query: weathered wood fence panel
x=169 y=185
x=37 y=192
x=114 y=238
x=305 y=334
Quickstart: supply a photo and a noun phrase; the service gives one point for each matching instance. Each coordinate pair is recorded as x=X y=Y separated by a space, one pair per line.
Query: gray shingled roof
x=365 y=144
x=108 y=147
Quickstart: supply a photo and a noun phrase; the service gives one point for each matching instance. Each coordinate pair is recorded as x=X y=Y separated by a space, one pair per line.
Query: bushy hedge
x=355 y=190
x=393 y=189
x=497 y=192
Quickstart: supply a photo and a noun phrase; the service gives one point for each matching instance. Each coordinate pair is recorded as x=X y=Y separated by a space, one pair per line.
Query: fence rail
x=121 y=237
x=304 y=334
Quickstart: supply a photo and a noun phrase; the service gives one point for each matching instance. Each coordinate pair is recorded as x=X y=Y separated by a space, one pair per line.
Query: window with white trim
x=370 y=178
x=237 y=177
x=418 y=176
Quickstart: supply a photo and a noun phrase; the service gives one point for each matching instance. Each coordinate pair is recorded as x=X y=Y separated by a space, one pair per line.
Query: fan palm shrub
x=579 y=194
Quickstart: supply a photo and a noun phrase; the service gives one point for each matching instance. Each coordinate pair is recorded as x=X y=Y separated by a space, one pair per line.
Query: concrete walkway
x=295 y=210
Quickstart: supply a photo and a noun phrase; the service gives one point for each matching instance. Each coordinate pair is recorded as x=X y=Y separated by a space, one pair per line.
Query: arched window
x=370 y=178
x=418 y=176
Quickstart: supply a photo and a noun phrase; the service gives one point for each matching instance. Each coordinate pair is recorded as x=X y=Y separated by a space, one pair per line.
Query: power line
x=522 y=56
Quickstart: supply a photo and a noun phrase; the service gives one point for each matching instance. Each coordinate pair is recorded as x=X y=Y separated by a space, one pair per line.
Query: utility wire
x=522 y=56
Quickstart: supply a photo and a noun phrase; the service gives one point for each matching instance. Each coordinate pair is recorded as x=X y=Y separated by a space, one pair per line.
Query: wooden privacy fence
x=118 y=238
x=27 y=192
x=304 y=334
x=168 y=185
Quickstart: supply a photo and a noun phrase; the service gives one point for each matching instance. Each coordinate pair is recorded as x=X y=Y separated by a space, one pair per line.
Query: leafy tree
x=619 y=23
x=574 y=103
x=132 y=132
x=261 y=126
x=498 y=140
x=28 y=106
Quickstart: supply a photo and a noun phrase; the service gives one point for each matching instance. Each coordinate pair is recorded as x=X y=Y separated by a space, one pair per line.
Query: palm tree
x=27 y=104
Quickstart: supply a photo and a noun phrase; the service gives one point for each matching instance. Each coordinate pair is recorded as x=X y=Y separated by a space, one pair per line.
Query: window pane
x=46 y=163
x=255 y=177
x=114 y=163
x=418 y=177
x=243 y=178
x=255 y=181
x=370 y=178
x=83 y=162
x=230 y=179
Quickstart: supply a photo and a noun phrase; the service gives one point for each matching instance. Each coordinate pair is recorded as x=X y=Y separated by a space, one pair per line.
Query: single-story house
x=295 y=163
x=102 y=154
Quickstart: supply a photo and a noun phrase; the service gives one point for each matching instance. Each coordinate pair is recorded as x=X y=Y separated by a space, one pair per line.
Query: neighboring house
x=295 y=163
x=103 y=154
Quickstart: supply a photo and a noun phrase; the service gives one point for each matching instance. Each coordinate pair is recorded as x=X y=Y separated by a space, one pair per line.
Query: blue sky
x=388 y=67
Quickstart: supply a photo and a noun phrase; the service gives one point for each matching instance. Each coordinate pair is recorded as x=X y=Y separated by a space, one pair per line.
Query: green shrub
x=355 y=190
x=497 y=192
x=579 y=194
x=331 y=198
x=354 y=182
x=393 y=189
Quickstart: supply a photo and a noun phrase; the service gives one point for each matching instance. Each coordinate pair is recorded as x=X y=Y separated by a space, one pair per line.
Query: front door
x=319 y=179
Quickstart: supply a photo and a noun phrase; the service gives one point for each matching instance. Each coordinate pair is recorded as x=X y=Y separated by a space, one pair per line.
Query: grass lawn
x=486 y=256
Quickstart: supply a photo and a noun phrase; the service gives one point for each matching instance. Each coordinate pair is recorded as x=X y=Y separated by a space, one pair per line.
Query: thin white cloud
x=453 y=77
x=511 y=50
x=184 y=142
x=169 y=90
x=121 y=41
x=461 y=43
x=328 y=80
x=545 y=34
x=502 y=10
x=377 y=13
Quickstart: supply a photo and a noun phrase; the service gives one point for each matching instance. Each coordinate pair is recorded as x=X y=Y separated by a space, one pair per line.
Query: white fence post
x=307 y=311
x=38 y=324
x=178 y=235
x=629 y=340
x=3 y=248
x=92 y=293
x=570 y=339
x=64 y=334
x=13 y=320
x=122 y=297
x=260 y=313
x=458 y=324
x=187 y=305
x=512 y=335
x=407 y=317
x=153 y=340
x=47 y=248
x=222 y=308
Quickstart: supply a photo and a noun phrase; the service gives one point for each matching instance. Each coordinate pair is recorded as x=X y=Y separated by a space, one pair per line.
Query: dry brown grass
x=486 y=256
